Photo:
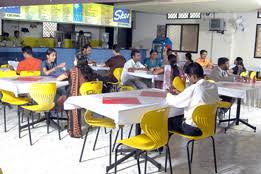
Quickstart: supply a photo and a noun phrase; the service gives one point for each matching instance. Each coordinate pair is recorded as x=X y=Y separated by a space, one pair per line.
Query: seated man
x=200 y=92
x=117 y=61
x=130 y=66
x=204 y=61
x=220 y=73
x=29 y=63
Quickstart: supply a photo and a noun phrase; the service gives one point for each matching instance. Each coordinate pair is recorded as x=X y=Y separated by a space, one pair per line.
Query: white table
x=100 y=68
x=120 y=113
x=250 y=93
x=23 y=87
x=145 y=75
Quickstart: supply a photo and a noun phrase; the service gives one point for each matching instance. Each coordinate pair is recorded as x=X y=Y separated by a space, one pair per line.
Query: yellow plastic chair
x=117 y=74
x=5 y=66
x=8 y=98
x=154 y=124
x=204 y=116
x=30 y=73
x=178 y=84
x=95 y=87
x=243 y=74
x=126 y=88
x=252 y=75
x=6 y=74
x=43 y=94
x=1 y=172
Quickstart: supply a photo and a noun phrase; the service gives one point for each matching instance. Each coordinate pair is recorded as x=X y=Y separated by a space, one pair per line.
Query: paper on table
x=120 y=100
x=28 y=78
x=153 y=94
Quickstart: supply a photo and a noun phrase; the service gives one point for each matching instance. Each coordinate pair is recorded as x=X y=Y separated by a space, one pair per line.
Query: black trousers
x=177 y=124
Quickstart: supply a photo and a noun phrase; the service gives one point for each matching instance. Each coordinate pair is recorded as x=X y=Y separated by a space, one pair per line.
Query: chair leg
x=121 y=133
x=19 y=123
x=130 y=131
x=138 y=162
x=32 y=119
x=83 y=146
x=29 y=130
x=192 y=150
x=96 y=138
x=22 y=116
x=58 y=125
x=166 y=160
x=146 y=160
x=214 y=152
x=110 y=147
x=115 y=158
x=48 y=121
x=5 y=117
x=188 y=156
x=116 y=137
x=170 y=164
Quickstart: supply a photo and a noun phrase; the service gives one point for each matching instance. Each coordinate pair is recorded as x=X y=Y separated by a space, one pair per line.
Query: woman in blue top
x=49 y=66
x=153 y=62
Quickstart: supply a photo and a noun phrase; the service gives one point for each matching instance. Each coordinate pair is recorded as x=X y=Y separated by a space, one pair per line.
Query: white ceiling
x=165 y=6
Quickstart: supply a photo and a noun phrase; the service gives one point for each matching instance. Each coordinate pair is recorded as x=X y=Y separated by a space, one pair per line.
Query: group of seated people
x=201 y=90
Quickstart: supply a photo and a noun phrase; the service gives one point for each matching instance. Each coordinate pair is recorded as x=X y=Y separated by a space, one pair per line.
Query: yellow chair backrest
x=88 y=88
x=93 y=87
x=43 y=94
x=117 y=74
x=243 y=74
x=211 y=81
x=30 y=73
x=155 y=125
x=1 y=172
x=252 y=75
x=204 y=117
x=9 y=73
x=5 y=66
x=126 y=88
x=178 y=84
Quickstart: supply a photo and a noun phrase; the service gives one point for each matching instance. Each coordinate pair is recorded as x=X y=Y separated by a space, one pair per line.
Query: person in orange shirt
x=204 y=61
x=29 y=63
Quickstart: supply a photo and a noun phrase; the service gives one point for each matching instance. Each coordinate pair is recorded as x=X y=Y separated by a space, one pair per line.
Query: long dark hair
x=189 y=57
x=173 y=63
x=85 y=69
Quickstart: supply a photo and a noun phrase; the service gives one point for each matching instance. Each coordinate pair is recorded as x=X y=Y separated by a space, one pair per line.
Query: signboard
x=87 y=13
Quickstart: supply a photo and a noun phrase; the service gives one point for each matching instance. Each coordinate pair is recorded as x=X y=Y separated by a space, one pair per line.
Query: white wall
x=231 y=44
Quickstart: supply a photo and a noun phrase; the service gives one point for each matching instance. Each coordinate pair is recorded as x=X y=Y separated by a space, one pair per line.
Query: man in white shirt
x=130 y=66
x=220 y=73
x=200 y=92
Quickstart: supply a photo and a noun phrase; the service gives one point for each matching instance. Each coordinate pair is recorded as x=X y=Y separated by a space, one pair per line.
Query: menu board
x=57 y=13
x=68 y=13
x=86 y=13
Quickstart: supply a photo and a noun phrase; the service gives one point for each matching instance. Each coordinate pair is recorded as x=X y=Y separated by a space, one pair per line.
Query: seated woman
x=49 y=66
x=77 y=76
x=188 y=60
x=153 y=62
x=172 y=61
x=239 y=68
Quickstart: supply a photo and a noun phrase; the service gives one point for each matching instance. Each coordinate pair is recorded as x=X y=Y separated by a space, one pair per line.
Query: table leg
x=238 y=111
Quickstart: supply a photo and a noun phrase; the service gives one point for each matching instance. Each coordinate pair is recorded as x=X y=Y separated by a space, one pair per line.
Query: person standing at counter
x=117 y=61
x=82 y=40
x=5 y=41
x=49 y=66
x=85 y=52
x=17 y=41
x=29 y=63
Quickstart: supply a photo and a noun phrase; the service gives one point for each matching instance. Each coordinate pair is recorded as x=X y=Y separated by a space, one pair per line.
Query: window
x=183 y=16
x=49 y=29
x=257 y=53
x=184 y=37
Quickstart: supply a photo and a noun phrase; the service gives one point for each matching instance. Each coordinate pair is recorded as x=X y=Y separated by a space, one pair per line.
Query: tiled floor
x=238 y=151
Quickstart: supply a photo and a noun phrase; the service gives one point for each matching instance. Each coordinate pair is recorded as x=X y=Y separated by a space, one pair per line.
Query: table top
x=249 y=92
x=100 y=68
x=146 y=75
x=21 y=85
x=120 y=113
